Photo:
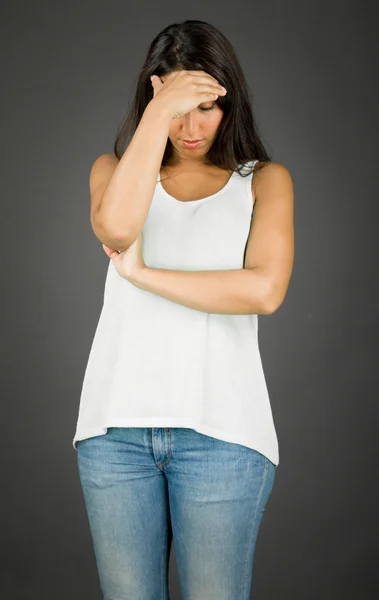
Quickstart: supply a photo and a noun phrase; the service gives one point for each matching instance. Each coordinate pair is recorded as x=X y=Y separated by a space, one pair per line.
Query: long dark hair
x=197 y=45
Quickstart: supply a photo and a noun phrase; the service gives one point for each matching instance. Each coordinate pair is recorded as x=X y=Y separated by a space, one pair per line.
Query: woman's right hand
x=185 y=90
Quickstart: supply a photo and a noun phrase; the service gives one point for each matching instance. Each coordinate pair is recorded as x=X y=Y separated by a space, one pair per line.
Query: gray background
x=68 y=72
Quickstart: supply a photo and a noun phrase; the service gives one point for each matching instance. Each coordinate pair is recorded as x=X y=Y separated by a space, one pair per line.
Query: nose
x=189 y=123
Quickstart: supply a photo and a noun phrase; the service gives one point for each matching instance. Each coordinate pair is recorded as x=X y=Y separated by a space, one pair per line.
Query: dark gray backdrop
x=68 y=72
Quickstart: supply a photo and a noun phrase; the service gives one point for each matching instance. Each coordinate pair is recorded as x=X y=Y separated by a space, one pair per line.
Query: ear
x=157 y=83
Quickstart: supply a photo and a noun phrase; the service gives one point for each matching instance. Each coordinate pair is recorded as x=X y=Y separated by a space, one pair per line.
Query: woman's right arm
x=122 y=191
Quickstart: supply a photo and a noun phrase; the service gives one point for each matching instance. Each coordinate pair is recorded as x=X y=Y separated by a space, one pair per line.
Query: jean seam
x=163 y=567
x=159 y=464
x=260 y=493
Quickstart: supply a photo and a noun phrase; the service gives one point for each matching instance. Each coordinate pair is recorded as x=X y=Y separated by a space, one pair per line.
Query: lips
x=192 y=143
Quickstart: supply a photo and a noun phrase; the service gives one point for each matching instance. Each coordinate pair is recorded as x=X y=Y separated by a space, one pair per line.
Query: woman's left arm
x=258 y=288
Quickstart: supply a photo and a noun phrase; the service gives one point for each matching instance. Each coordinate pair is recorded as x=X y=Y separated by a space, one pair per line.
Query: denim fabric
x=146 y=487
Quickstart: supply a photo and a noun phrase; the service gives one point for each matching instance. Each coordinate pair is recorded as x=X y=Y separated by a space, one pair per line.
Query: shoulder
x=103 y=166
x=271 y=178
x=101 y=171
x=108 y=159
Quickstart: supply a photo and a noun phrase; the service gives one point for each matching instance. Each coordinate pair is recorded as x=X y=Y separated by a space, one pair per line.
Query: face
x=201 y=123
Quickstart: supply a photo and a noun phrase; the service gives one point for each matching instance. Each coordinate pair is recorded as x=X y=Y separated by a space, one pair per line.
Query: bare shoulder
x=105 y=161
x=102 y=169
x=271 y=178
x=100 y=175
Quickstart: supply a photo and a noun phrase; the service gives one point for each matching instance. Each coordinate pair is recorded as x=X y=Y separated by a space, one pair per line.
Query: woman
x=175 y=434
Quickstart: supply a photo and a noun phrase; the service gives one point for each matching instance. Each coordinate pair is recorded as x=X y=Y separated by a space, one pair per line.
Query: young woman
x=175 y=434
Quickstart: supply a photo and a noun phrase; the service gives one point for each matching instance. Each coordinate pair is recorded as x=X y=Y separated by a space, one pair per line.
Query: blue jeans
x=145 y=486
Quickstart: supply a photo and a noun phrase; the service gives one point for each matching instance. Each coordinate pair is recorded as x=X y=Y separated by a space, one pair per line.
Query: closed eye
x=210 y=108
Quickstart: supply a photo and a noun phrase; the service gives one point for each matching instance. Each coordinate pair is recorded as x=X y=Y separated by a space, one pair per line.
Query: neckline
x=223 y=189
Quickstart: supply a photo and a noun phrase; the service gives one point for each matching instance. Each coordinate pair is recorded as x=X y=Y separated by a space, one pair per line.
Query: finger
x=204 y=75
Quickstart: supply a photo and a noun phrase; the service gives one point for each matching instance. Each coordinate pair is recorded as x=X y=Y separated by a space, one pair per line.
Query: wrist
x=139 y=277
x=159 y=109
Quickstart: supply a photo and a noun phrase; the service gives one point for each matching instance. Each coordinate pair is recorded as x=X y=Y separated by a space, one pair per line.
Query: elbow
x=270 y=308
x=273 y=301
x=107 y=236
x=122 y=240
x=119 y=241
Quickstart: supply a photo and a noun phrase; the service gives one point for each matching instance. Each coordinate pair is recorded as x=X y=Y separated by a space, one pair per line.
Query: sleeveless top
x=157 y=363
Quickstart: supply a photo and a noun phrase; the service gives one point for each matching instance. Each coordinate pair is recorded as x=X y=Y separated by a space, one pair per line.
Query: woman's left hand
x=129 y=262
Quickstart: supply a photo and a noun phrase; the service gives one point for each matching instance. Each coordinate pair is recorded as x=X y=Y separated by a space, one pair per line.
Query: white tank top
x=157 y=363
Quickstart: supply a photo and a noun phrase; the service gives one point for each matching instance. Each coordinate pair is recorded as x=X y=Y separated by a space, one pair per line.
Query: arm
x=261 y=285
x=127 y=198
x=238 y=292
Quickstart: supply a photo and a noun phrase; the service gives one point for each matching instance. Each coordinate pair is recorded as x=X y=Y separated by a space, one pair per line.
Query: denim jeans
x=144 y=487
